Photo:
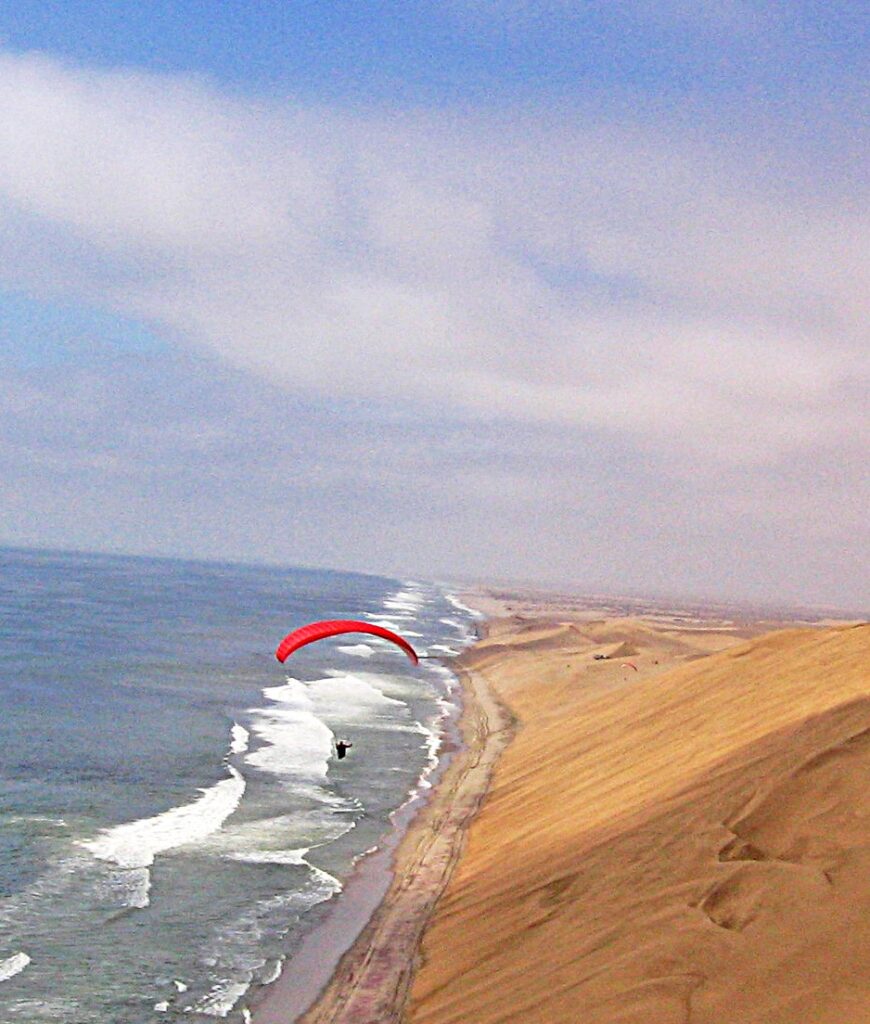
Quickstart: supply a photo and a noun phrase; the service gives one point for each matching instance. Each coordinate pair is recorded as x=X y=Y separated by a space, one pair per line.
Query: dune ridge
x=688 y=843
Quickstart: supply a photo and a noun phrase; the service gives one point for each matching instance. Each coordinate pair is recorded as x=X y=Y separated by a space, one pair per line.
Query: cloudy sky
x=558 y=291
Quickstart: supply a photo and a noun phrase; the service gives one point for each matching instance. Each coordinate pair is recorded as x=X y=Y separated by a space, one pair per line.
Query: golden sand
x=688 y=842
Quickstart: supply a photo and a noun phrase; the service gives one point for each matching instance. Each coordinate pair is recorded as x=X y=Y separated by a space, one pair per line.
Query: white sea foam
x=410 y=598
x=13 y=965
x=432 y=744
x=358 y=650
x=448 y=678
x=34 y=819
x=401 y=607
x=18 y=909
x=405 y=607
x=389 y=622
x=43 y=1009
x=397 y=689
x=396 y=686
x=240 y=737
x=259 y=838
x=134 y=845
x=296 y=739
x=221 y=999
x=296 y=857
x=459 y=606
x=235 y=948
x=433 y=739
x=272 y=973
x=129 y=887
x=350 y=696
x=295 y=742
x=290 y=857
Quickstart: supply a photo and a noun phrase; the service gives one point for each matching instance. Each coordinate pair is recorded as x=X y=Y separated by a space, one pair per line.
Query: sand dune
x=625 y=650
x=688 y=843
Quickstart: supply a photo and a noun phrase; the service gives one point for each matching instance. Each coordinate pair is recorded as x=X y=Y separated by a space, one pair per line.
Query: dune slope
x=689 y=842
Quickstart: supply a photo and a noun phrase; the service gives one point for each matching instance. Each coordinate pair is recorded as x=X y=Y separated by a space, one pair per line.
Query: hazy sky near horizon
x=557 y=291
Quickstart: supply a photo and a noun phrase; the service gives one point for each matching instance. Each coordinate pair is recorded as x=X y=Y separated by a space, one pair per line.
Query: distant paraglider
x=335 y=627
x=630 y=664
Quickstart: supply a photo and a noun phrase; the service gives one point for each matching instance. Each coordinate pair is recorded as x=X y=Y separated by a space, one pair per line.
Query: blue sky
x=38 y=332
x=556 y=291
x=465 y=50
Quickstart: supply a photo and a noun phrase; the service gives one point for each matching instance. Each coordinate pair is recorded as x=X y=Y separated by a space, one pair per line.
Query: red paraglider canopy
x=629 y=664
x=334 y=627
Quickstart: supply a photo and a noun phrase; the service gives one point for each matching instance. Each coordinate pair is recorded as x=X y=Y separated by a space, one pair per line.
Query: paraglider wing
x=629 y=664
x=335 y=627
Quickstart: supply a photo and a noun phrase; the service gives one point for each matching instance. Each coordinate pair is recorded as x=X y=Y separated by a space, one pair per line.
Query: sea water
x=172 y=815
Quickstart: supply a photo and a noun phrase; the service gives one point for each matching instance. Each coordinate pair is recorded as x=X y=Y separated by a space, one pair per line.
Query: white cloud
x=604 y=275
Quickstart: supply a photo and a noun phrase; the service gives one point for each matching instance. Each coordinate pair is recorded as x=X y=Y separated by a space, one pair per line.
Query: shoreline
x=392 y=892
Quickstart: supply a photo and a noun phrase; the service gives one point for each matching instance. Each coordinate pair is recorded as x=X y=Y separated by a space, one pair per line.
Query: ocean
x=173 y=819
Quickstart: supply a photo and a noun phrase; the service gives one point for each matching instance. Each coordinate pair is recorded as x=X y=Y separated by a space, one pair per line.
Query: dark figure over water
x=341 y=748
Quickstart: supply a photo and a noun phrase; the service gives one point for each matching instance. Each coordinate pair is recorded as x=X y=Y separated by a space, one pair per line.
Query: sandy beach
x=659 y=815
